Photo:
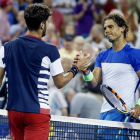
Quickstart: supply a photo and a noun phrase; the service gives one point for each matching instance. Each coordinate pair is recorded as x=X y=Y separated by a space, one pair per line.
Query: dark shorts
x=28 y=126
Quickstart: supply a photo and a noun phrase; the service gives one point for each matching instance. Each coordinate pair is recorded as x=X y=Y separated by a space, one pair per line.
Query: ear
x=122 y=29
x=42 y=25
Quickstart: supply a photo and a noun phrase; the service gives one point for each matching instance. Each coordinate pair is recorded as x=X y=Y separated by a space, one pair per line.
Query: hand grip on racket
x=115 y=100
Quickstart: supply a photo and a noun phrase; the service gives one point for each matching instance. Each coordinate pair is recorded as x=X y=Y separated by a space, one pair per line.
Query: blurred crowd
x=75 y=25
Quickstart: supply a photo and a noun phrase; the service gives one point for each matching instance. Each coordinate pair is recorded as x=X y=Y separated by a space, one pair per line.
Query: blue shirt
x=119 y=72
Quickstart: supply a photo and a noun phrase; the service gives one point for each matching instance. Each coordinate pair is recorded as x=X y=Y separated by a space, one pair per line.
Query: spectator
x=135 y=6
x=96 y=38
x=6 y=6
x=84 y=12
x=51 y=35
x=79 y=43
x=129 y=17
x=18 y=29
x=57 y=18
x=68 y=50
x=137 y=45
x=65 y=7
x=70 y=29
x=110 y=5
x=116 y=11
x=25 y=4
x=12 y=14
x=87 y=48
x=58 y=104
x=83 y=105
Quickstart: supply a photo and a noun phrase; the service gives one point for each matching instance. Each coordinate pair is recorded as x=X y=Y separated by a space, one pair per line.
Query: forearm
x=62 y=79
x=96 y=16
x=96 y=77
x=80 y=15
x=66 y=79
x=93 y=83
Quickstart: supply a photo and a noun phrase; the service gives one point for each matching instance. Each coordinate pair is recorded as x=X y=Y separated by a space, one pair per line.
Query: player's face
x=112 y=31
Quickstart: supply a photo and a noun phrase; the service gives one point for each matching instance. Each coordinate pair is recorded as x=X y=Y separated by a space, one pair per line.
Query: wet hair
x=119 y=20
x=36 y=14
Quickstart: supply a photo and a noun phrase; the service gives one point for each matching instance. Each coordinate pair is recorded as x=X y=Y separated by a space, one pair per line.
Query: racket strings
x=112 y=98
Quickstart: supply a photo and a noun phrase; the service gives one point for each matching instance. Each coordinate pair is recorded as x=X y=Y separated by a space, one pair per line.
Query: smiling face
x=112 y=31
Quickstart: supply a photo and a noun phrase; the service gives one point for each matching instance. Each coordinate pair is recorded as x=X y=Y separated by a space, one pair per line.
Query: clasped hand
x=82 y=60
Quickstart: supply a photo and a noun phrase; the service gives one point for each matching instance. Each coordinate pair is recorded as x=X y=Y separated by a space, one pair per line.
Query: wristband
x=74 y=69
x=88 y=77
x=138 y=103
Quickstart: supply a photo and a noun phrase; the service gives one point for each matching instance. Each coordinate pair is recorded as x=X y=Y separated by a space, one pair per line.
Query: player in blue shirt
x=28 y=63
x=119 y=68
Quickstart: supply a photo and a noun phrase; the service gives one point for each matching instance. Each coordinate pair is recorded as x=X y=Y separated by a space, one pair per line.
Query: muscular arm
x=136 y=114
x=62 y=79
x=97 y=74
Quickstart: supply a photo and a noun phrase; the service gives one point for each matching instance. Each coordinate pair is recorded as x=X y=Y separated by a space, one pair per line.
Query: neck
x=35 y=33
x=119 y=44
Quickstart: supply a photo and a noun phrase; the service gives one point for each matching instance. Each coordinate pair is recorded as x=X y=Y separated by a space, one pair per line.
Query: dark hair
x=119 y=20
x=35 y=14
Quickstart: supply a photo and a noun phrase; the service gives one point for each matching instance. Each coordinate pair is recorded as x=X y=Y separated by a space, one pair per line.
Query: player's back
x=27 y=73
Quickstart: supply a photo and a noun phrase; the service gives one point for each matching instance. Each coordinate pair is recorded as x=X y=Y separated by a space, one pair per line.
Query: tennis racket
x=115 y=100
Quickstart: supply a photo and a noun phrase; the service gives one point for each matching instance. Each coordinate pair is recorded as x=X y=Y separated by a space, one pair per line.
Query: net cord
x=89 y=121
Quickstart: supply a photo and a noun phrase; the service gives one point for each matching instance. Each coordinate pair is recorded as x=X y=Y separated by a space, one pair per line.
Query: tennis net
x=69 y=128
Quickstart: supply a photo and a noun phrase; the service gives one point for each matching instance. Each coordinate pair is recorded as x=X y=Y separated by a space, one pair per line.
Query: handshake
x=81 y=63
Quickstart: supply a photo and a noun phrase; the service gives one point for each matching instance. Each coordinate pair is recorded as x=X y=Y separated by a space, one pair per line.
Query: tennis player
x=28 y=63
x=119 y=68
